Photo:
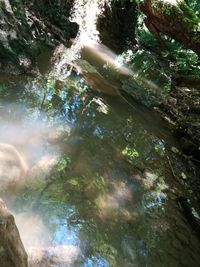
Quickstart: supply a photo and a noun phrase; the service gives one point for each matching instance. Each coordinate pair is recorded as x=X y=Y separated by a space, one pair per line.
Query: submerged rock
x=12 y=252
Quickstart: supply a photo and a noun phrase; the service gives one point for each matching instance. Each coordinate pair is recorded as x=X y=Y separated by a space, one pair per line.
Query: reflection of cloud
x=32 y=229
x=36 y=239
x=65 y=234
x=42 y=168
x=28 y=135
x=150 y=180
x=147 y=179
x=13 y=167
x=52 y=256
x=26 y=142
x=114 y=204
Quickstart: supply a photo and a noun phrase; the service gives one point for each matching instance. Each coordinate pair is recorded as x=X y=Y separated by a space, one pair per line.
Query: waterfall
x=85 y=13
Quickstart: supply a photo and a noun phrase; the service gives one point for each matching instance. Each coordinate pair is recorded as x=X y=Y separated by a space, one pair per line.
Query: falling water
x=85 y=13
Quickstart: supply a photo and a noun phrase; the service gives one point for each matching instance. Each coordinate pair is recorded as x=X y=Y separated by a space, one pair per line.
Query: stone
x=174 y=150
x=12 y=252
x=150 y=83
x=183 y=176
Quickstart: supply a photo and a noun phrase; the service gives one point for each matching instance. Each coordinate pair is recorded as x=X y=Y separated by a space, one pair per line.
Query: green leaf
x=73 y=182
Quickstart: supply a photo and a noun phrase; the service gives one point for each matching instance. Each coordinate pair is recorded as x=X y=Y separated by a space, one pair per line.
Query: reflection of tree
x=95 y=146
x=107 y=185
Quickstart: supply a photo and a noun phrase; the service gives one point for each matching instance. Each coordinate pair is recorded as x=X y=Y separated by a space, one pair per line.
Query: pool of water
x=92 y=173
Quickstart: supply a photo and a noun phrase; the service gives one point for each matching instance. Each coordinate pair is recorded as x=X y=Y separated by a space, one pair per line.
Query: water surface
x=98 y=176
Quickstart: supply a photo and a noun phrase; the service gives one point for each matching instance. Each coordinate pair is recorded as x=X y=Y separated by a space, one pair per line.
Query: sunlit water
x=88 y=177
x=85 y=13
x=87 y=44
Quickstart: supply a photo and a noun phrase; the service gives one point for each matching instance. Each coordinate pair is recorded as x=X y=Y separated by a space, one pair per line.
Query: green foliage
x=144 y=37
x=3 y=89
x=18 y=8
x=73 y=181
x=194 y=5
x=182 y=61
x=63 y=163
x=131 y=153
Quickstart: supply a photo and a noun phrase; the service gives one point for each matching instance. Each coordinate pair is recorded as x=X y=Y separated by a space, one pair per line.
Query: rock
x=174 y=150
x=14 y=40
x=13 y=169
x=183 y=176
x=12 y=252
x=150 y=83
x=23 y=34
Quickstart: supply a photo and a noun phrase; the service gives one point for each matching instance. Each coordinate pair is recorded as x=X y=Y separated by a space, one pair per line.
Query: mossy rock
x=151 y=82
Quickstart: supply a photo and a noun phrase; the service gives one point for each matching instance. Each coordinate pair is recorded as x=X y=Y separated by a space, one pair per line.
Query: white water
x=87 y=44
x=85 y=13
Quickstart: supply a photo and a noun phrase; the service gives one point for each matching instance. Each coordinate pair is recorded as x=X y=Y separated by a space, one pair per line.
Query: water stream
x=90 y=173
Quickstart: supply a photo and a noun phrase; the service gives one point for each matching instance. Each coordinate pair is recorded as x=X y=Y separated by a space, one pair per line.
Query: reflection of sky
x=49 y=96
x=98 y=132
x=65 y=235
x=154 y=200
x=68 y=235
x=96 y=261
x=71 y=107
x=65 y=115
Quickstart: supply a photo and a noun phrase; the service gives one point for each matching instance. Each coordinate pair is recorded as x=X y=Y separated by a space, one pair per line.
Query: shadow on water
x=93 y=177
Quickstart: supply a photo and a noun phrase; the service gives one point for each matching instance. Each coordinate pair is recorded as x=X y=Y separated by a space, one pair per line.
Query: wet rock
x=151 y=82
x=183 y=176
x=21 y=44
x=117 y=24
x=174 y=150
x=14 y=41
x=12 y=252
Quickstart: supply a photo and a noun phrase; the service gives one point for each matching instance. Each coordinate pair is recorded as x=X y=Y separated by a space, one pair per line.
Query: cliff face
x=23 y=30
x=15 y=38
